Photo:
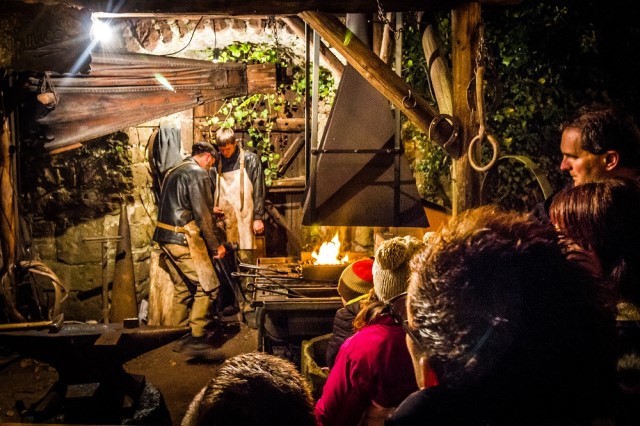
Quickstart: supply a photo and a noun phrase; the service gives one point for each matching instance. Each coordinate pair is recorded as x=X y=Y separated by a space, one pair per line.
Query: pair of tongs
x=277 y=281
x=257 y=270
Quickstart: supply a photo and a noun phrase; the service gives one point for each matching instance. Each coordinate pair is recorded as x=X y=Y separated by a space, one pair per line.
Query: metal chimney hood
x=357 y=176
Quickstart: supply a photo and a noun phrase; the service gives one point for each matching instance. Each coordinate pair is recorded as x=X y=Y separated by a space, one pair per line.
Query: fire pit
x=323 y=273
x=289 y=306
x=326 y=264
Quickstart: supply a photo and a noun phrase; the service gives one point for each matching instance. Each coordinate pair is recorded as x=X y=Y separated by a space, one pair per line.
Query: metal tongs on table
x=274 y=278
x=276 y=271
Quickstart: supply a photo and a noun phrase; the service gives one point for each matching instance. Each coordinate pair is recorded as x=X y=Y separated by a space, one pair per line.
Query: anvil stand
x=92 y=386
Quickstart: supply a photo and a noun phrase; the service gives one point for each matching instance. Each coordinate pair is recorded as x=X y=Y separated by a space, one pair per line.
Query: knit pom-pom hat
x=391 y=266
x=356 y=280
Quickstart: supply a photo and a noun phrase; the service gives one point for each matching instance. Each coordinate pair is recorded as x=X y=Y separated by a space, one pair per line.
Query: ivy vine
x=256 y=114
x=549 y=57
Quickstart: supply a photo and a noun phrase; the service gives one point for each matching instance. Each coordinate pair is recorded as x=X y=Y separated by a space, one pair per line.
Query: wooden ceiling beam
x=378 y=73
x=330 y=60
x=261 y=7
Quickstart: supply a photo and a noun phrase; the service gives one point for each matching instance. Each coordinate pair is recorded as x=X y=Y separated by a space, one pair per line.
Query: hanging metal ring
x=496 y=152
x=407 y=99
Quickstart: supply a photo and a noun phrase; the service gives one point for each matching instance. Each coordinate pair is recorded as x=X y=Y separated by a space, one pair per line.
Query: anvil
x=89 y=360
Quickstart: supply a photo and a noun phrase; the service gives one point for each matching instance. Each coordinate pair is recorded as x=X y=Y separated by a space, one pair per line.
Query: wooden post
x=465 y=23
x=438 y=71
x=8 y=223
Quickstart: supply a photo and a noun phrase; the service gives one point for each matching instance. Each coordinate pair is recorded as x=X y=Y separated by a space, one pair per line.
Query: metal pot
x=323 y=273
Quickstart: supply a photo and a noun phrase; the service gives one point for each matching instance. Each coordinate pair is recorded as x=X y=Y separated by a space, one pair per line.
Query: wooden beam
x=8 y=224
x=330 y=60
x=283 y=125
x=381 y=76
x=290 y=154
x=292 y=184
x=258 y=7
x=261 y=78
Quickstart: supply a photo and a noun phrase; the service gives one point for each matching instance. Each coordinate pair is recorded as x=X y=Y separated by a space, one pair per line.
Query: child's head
x=356 y=281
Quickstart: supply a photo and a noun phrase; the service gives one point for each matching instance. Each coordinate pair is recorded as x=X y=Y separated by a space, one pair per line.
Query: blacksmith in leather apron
x=186 y=234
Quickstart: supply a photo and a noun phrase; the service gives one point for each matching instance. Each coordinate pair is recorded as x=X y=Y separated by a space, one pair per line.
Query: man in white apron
x=239 y=196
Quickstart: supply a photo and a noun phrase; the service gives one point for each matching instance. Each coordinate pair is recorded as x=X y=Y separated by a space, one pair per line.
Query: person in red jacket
x=373 y=371
x=354 y=285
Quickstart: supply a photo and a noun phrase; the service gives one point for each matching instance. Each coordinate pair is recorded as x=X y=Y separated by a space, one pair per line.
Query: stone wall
x=182 y=37
x=77 y=195
x=73 y=199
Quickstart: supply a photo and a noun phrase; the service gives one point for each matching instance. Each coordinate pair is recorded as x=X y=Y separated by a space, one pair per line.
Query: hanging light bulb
x=101 y=31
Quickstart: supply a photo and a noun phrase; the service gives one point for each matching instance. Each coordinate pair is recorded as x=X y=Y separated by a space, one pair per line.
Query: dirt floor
x=176 y=375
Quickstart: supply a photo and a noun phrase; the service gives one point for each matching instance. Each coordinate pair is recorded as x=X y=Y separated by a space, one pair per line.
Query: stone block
x=78 y=245
x=141 y=176
x=166 y=32
x=45 y=248
x=141 y=271
x=79 y=277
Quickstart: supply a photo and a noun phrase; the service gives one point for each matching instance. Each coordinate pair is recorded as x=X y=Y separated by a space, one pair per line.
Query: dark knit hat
x=356 y=279
x=391 y=266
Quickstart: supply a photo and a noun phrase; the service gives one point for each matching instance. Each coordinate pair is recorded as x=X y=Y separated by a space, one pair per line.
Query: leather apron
x=235 y=198
x=207 y=277
x=203 y=265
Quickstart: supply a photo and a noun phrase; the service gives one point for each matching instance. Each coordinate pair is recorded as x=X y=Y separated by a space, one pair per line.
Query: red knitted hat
x=356 y=279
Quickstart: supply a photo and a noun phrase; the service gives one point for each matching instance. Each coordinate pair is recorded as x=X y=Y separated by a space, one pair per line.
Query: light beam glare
x=162 y=80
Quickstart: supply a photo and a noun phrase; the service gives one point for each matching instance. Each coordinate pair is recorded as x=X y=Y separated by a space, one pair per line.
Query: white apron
x=231 y=188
